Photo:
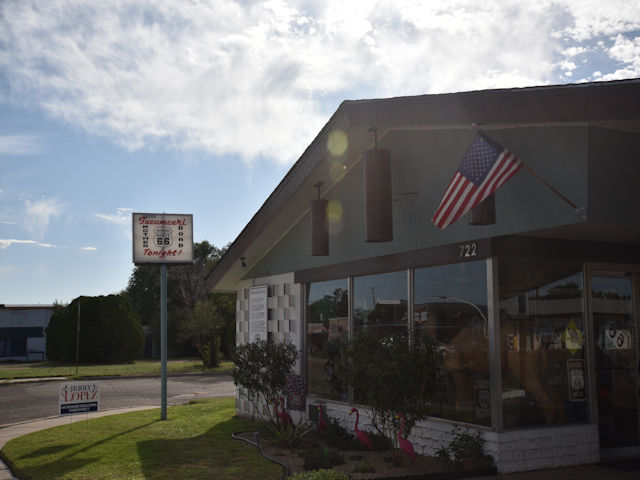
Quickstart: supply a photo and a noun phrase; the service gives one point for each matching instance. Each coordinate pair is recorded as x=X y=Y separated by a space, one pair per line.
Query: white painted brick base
x=513 y=451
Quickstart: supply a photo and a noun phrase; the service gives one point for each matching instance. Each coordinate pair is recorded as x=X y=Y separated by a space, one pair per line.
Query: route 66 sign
x=162 y=238
x=617 y=338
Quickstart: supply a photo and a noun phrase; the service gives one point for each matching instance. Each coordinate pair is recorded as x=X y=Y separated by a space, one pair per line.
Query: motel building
x=23 y=332
x=533 y=294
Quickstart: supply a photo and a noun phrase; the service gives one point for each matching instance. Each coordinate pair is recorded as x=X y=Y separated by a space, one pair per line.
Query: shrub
x=287 y=435
x=110 y=331
x=261 y=369
x=321 y=474
x=321 y=458
x=464 y=445
x=390 y=374
x=338 y=436
x=364 y=467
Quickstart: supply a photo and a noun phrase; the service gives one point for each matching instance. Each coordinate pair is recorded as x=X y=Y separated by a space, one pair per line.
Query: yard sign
x=79 y=397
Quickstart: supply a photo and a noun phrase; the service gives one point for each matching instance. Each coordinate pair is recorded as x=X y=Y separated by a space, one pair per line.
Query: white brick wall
x=514 y=451
x=284 y=305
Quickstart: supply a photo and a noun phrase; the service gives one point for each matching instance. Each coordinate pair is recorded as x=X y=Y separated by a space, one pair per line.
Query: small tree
x=390 y=374
x=204 y=327
x=261 y=369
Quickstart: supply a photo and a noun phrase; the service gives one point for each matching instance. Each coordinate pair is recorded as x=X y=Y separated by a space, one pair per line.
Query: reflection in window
x=327 y=322
x=451 y=306
x=381 y=302
x=13 y=347
x=616 y=360
x=542 y=337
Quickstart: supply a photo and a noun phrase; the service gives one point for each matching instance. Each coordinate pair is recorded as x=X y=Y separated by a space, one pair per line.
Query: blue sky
x=202 y=106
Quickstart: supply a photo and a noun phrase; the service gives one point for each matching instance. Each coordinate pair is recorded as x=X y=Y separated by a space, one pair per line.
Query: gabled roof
x=607 y=104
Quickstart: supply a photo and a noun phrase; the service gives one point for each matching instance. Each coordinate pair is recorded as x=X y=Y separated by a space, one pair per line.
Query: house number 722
x=468 y=250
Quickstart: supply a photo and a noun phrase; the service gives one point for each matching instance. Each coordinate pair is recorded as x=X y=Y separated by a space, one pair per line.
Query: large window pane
x=542 y=332
x=615 y=360
x=451 y=306
x=380 y=302
x=327 y=321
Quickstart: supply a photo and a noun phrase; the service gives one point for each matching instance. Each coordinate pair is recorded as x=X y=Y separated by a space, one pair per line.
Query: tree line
x=111 y=327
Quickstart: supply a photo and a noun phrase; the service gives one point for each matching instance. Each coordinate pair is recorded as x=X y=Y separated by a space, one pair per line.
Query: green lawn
x=139 y=367
x=193 y=443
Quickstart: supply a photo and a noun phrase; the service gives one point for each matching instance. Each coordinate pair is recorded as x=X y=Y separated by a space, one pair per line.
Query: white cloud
x=39 y=213
x=588 y=19
x=259 y=79
x=627 y=50
x=119 y=218
x=19 y=145
x=7 y=242
x=7 y=270
x=88 y=249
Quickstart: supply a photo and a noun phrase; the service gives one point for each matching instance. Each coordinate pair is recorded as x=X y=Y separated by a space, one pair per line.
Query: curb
x=12 y=381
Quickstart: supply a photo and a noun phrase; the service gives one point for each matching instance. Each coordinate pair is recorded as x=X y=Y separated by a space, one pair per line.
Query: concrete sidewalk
x=18 y=429
x=583 y=472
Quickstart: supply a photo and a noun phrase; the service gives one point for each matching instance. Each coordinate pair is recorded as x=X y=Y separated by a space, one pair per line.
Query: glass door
x=616 y=360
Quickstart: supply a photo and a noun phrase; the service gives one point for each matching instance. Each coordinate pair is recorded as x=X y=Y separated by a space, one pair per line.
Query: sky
x=201 y=107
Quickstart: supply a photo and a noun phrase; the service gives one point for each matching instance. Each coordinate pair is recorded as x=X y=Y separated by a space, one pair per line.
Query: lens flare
x=337 y=142
x=334 y=211
x=336 y=169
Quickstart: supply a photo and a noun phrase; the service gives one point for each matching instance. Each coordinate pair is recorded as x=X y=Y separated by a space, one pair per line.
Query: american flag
x=484 y=168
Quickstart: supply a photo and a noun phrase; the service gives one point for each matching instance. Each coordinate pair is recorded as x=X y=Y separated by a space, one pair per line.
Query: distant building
x=22 y=331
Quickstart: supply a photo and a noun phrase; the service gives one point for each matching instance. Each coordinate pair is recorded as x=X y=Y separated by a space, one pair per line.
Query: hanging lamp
x=319 y=225
x=378 y=219
x=484 y=213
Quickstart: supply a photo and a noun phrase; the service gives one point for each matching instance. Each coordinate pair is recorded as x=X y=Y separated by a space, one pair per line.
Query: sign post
x=160 y=238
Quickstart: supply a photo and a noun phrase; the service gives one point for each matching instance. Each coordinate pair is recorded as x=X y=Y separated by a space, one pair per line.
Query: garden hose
x=256 y=435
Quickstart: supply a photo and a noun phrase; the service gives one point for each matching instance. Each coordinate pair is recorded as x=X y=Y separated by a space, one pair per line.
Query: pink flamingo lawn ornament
x=405 y=445
x=362 y=435
x=322 y=423
x=283 y=416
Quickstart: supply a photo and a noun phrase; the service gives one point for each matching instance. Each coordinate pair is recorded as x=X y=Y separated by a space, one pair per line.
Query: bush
x=464 y=445
x=338 y=436
x=110 y=331
x=390 y=374
x=261 y=369
x=321 y=458
x=287 y=435
x=321 y=474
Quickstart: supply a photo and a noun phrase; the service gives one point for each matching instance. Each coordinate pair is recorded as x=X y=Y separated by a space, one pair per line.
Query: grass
x=194 y=442
x=9 y=371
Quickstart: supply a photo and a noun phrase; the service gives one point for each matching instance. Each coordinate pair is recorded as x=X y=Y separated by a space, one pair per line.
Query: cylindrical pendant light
x=319 y=225
x=484 y=213
x=378 y=219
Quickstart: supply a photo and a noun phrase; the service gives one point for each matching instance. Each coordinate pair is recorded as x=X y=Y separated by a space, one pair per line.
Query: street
x=25 y=401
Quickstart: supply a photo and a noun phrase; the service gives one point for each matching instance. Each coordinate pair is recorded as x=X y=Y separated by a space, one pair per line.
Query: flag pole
x=546 y=184
x=78 y=336
x=578 y=210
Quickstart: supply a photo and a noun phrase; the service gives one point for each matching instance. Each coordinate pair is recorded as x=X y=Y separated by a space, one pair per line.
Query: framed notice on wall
x=162 y=238
x=258 y=313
